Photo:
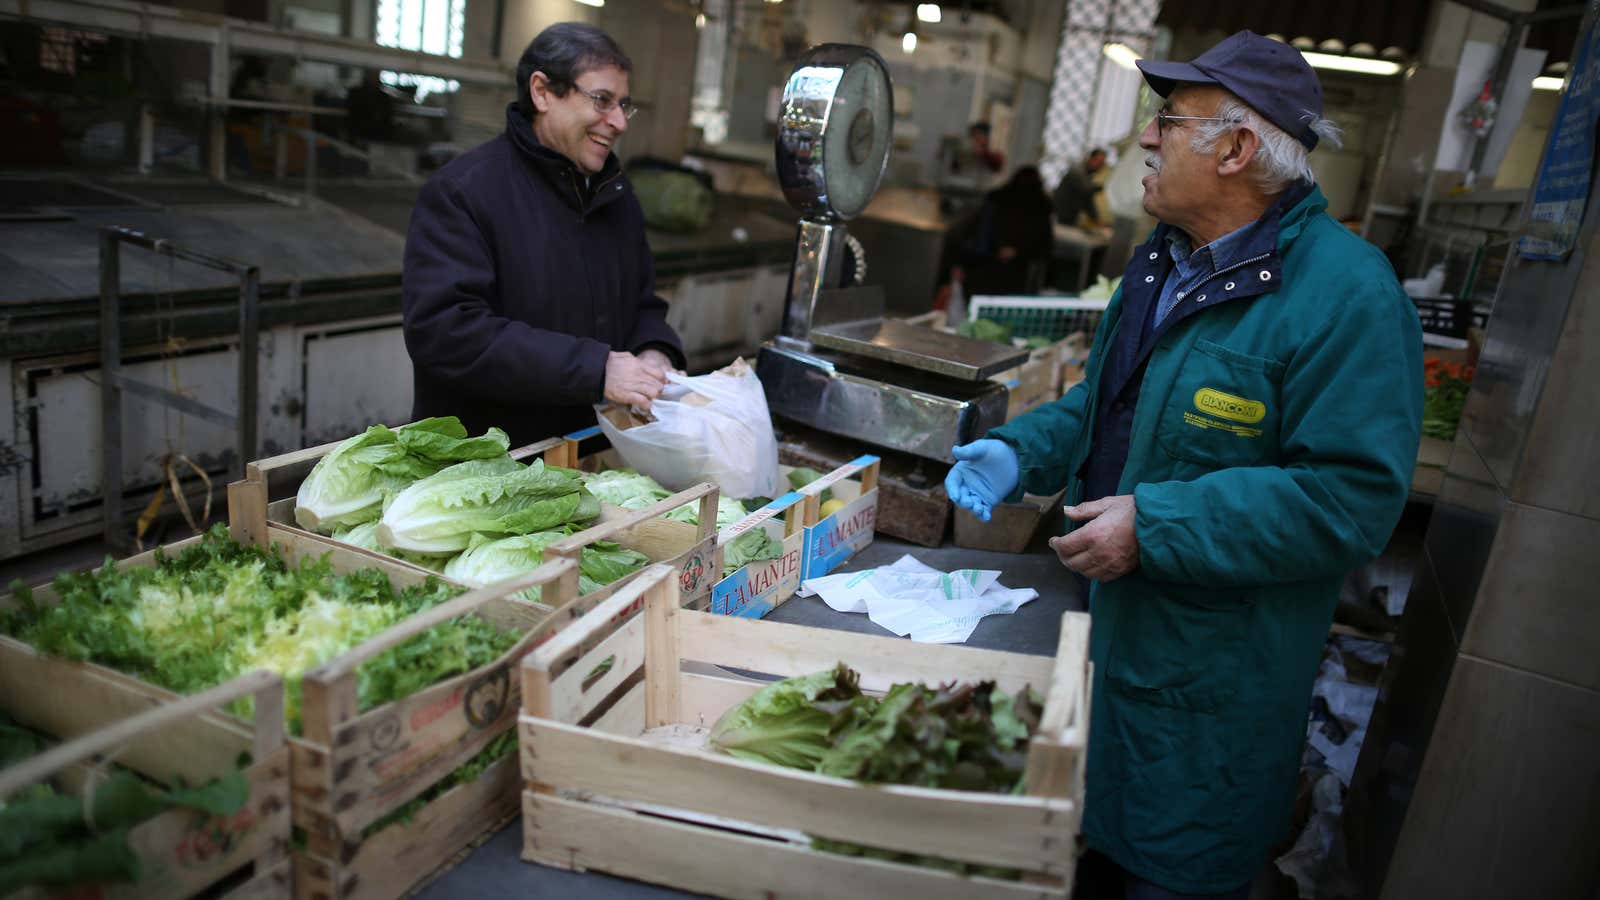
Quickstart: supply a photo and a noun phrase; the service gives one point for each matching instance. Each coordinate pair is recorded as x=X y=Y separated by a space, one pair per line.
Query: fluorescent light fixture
x=1548 y=83
x=929 y=12
x=1351 y=63
x=1121 y=54
x=595 y=3
x=909 y=42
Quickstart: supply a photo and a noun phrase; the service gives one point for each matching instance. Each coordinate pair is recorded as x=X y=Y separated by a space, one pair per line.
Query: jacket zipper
x=1187 y=289
x=583 y=210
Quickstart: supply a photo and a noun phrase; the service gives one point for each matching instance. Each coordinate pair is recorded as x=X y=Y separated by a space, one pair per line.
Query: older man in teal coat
x=1243 y=438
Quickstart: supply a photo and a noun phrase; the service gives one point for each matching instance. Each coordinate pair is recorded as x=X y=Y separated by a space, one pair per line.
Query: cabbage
x=499 y=497
x=348 y=486
x=491 y=561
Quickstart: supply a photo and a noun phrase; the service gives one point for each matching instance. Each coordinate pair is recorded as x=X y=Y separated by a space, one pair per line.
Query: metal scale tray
x=915 y=347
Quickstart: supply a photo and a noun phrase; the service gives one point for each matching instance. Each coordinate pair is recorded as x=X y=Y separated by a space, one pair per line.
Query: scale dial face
x=835 y=131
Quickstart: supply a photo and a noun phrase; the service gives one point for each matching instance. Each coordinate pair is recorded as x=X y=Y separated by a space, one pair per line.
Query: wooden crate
x=274 y=517
x=617 y=780
x=1036 y=381
x=253 y=516
x=182 y=852
x=352 y=768
x=754 y=589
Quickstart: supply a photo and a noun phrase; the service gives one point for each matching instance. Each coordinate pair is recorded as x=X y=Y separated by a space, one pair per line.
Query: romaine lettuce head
x=498 y=496
x=487 y=562
x=366 y=537
x=625 y=488
x=787 y=723
x=348 y=485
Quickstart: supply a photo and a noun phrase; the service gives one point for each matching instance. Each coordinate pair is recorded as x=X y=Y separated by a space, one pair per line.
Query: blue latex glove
x=985 y=473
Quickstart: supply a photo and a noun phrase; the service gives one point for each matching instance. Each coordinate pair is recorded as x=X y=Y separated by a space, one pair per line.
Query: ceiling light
x=1121 y=54
x=592 y=2
x=1351 y=64
x=929 y=12
x=909 y=42
x=1548 y=83
x=700 y=20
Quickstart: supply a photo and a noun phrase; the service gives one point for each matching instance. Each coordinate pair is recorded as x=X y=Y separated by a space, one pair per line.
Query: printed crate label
x=842 y=535
x=759 y=587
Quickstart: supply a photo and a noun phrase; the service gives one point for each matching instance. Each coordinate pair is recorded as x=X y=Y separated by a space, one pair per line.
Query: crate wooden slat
x=182 y=853
x=619 y=784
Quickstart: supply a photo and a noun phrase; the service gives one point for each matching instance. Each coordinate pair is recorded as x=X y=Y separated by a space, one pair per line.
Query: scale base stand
x=883 y=405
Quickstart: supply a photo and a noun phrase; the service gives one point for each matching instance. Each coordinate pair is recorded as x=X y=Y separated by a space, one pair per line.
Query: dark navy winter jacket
x=519 y=280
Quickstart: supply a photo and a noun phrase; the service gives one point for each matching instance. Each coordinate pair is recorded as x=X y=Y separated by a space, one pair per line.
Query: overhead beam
x=239 y=35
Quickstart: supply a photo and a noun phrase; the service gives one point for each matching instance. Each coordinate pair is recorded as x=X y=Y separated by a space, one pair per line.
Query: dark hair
x=980 y=127
x=1099 y=150
x=563 y=52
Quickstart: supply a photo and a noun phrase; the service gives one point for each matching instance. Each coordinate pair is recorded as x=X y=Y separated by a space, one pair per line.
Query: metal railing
x=113 y=383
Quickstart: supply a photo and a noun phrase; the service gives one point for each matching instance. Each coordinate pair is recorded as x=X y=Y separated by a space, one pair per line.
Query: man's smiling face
x=572 y=125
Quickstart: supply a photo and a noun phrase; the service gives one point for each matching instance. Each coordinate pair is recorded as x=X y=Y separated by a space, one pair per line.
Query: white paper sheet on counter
x=917 y=601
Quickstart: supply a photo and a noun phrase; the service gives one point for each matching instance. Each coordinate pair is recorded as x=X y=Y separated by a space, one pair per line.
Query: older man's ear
x=1238 y=151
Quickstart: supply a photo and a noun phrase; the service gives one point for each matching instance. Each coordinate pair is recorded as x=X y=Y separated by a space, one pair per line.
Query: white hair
x=1280 y=160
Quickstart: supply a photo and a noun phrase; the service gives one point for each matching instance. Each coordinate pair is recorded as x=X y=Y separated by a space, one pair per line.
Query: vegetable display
x=487 y=561
x=970 y=737
x=220 y=608
x=960 y=736
x=500 y=496
x=1444 y=397
x=629 y=489
x=349 y=485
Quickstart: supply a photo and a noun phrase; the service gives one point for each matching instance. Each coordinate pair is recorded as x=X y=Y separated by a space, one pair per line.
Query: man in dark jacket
x=529 y=290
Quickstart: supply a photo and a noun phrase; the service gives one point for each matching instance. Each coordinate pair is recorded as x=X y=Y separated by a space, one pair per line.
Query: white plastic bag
x=707 y=428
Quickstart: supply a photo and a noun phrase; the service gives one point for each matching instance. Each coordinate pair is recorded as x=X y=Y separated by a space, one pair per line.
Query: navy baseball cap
x=1271 y=76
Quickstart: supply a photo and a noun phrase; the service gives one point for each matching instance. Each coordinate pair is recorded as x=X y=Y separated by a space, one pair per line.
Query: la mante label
x=840 y=536
x=755 y=589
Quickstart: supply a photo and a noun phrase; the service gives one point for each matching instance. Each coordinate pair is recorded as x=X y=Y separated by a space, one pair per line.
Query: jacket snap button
x=1155 y=256
x=1228 y=286
x=1149 y=278
x=1180 y=295
x=1200 y=299
x=1265 y=275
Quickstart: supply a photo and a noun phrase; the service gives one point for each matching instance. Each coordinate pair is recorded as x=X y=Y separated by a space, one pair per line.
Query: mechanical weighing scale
x=839 y=365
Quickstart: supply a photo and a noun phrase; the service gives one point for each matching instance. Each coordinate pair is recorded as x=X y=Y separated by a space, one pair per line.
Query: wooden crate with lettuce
x=120 y=792
x=439 y=500
x=846 y=500
x=875 y=768
x=401 y=695
x=763 y=540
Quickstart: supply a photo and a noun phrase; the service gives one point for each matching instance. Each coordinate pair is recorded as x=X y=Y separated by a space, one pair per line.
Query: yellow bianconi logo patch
x=1239 y=413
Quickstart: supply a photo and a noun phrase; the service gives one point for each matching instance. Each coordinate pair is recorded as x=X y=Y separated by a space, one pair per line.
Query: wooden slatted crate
x=353 y=768
x=618 y=780
x=831 y=540
x=254 y=516
x=163 y=737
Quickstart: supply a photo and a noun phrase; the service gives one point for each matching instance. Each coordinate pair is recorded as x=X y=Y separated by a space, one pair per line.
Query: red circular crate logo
x=694 y=568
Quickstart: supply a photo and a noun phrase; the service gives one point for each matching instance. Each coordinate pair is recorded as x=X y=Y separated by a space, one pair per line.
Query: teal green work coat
x=1272 y=447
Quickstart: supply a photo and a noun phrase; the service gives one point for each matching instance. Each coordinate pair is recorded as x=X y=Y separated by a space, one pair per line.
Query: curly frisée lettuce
x=220 y=608
x=498 y=497
x=349 y=485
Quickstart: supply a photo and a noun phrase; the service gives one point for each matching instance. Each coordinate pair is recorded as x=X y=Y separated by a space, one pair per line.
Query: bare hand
x=656 y=362
x=629 y=382
x=1105 y=545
